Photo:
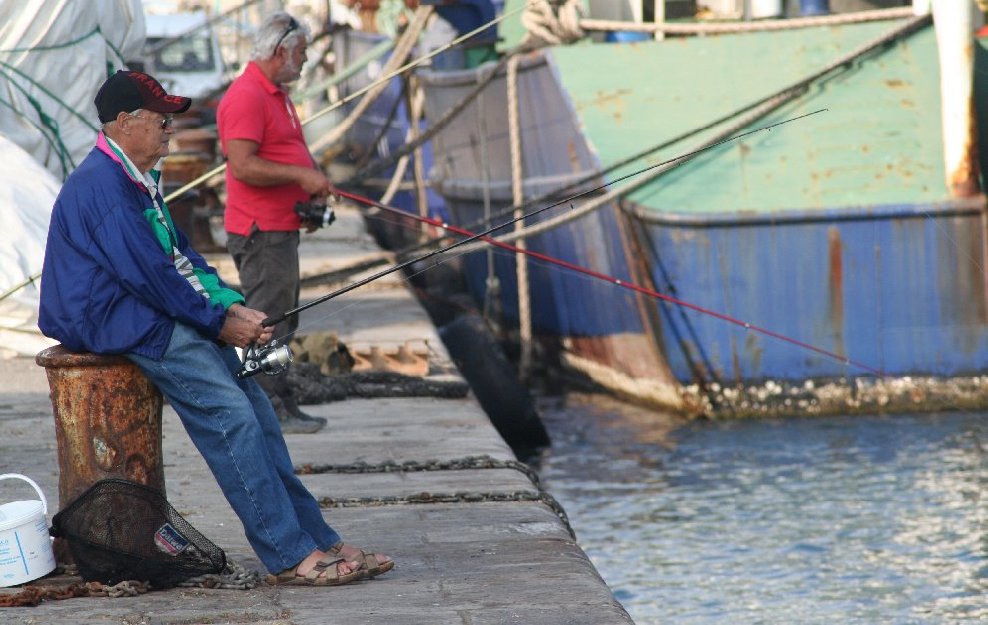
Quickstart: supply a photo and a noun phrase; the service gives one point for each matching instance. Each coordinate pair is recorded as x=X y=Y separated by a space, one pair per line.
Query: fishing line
x=484 y=236
x=480 y=235
x=791 y=91
x=600 y=276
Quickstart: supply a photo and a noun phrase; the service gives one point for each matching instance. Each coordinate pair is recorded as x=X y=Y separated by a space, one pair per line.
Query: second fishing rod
x=274 y=358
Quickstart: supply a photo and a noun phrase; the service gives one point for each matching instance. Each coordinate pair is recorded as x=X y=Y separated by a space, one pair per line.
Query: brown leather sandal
x=326 y=572
x=370 y=565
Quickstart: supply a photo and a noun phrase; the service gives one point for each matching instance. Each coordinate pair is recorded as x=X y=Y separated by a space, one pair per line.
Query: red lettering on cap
x=149 y=83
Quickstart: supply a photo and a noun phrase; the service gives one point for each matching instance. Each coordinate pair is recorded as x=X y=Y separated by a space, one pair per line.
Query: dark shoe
x=291 y=407
x=301 y=416
x=295 y=421
x=294 y=425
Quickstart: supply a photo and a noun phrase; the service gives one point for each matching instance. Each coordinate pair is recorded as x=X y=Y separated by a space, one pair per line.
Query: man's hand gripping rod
x=272 y=358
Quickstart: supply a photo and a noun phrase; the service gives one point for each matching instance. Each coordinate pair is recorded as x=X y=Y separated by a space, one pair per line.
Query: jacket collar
x=111 y=149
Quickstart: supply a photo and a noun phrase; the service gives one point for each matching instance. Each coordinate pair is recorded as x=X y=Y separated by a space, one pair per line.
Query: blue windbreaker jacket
x=107 y=286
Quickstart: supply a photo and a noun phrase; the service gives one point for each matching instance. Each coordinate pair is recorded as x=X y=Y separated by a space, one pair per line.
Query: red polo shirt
x=256 y=109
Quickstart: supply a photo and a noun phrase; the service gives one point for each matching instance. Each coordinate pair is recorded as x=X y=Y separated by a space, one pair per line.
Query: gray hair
x=110 y=125
x=272 y=33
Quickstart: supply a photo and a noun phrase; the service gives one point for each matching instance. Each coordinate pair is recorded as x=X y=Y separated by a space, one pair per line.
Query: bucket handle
x=44 y=502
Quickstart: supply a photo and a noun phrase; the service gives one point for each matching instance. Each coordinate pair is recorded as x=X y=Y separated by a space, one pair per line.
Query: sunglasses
x=164 y=124
x=292 y=26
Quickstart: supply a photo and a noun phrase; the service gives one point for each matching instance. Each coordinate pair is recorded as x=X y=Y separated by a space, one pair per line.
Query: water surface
x=849 y=520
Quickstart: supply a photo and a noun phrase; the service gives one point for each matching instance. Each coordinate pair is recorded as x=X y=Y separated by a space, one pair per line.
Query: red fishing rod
x=274 y=358
x=606 y=278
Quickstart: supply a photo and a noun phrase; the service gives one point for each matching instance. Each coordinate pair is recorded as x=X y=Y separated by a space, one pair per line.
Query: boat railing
x=660 y=27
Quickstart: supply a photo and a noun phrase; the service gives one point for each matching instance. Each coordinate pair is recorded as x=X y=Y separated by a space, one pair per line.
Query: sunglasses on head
x=292 y=26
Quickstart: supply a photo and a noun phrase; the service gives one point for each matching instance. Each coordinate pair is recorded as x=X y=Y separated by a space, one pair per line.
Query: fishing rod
x=616 y=281
x=274 y=358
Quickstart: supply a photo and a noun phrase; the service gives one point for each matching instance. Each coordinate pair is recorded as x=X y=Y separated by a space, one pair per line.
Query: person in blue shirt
x=466 y=16
x=119 y=278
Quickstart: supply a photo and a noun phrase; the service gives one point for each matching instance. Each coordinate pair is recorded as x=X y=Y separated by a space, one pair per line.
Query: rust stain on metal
x=613 y=101
x=627 y=354
x=107 y=421
x=574 y=157
x=963 y=179
x=835 y=280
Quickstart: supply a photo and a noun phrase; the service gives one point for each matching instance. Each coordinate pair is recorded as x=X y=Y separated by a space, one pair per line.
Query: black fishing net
x=119 y=530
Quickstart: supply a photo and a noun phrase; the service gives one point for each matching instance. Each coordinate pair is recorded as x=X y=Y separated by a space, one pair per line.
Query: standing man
x=269 y=169
x=119 y=278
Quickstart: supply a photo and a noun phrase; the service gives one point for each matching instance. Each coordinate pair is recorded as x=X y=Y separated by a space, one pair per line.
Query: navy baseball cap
x=129 y=90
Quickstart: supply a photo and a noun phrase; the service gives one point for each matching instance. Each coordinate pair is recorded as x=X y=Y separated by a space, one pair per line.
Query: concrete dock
x=473 y=546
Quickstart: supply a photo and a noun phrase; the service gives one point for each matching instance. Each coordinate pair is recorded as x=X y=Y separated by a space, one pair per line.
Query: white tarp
x=54 y=54
x=27 y=192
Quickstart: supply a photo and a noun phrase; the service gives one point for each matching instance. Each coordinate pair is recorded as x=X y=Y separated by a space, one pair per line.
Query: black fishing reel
x=315 y=214
x=270 y=359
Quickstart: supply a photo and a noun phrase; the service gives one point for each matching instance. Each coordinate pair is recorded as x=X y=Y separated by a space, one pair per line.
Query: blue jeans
x=233 y=426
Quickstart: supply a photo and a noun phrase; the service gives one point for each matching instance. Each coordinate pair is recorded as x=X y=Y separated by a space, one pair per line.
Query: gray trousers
x=269 y=277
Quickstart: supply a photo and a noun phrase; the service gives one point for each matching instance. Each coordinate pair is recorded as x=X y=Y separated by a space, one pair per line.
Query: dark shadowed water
x=829 y=520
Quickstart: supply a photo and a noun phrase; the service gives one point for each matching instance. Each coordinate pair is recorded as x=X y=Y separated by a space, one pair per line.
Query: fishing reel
x=314 y=214
x=270 y=359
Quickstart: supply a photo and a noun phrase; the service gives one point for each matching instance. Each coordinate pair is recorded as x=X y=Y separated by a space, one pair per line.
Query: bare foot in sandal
x=372 y=564
x=320 y=569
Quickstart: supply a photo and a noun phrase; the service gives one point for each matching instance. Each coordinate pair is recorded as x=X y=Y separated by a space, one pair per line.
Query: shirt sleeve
x=237 y=118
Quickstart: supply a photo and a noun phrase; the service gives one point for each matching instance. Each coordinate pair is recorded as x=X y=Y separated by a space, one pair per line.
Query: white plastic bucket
x=25 y=546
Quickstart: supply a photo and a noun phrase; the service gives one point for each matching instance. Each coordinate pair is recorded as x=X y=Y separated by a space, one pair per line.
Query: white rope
x=642 y=180
x=401 y=51
x=416 y=107
x=395 y=183
x=492 y=288
x=548 y=26
x=518 y=198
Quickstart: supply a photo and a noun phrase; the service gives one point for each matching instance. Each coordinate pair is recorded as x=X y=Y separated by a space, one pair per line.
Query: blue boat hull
x=897 y=289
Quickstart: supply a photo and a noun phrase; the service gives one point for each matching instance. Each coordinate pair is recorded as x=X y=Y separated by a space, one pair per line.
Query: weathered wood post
x=107 y=423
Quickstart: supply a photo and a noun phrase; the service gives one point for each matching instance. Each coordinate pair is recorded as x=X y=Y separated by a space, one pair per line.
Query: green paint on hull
x=878 y=143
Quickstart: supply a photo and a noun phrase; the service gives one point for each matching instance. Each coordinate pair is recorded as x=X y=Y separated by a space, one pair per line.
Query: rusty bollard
x=107 y=422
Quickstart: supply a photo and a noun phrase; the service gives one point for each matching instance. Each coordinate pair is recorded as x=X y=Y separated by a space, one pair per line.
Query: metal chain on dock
x=457 y=497
x=457 y=464
x=32 y=595
x=411 y=466
x=233 y=577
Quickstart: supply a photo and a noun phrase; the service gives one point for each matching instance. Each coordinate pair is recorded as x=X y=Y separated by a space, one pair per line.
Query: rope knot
x=553 y=22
